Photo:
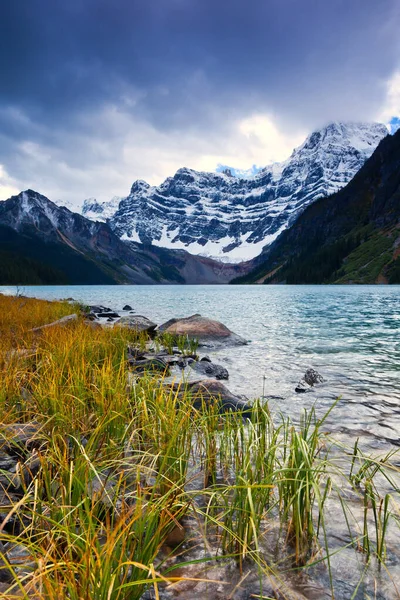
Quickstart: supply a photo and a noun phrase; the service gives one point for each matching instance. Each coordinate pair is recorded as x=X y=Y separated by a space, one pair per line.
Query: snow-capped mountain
x=30 y=211
x=100 y=211
x=66 y=247
x=233 y=218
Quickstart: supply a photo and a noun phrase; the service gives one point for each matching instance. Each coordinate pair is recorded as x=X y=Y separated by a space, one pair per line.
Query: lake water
x=350 y=334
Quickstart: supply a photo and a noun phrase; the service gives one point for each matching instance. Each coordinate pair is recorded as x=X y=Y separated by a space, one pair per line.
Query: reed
x=186 y=345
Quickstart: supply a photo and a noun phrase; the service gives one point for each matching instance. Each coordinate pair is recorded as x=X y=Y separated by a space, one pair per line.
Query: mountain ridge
x=73 y=249
x=233 y=218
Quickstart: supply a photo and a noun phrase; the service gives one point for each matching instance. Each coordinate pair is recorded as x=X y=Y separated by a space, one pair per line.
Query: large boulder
x=207 y=331
x=171 y=322
x=137 y=323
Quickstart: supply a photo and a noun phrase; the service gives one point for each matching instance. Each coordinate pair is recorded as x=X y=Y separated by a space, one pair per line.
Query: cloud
x=8 y=187
x=391 y=105
x=113 y=149
x=95 y=94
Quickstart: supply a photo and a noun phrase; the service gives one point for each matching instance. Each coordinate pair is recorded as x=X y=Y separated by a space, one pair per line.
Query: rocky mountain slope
x=41 y=242
x=352 y=236
x=234 y=218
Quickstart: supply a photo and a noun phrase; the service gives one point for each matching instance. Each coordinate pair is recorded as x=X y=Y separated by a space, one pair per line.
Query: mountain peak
x=139 y=185
x=360 y=135
x=100 y=211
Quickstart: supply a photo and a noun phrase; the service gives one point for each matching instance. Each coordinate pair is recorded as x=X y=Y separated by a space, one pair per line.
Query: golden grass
x=19 y=314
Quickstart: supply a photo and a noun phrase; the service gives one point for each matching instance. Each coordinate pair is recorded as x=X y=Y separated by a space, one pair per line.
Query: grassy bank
x=123 y=480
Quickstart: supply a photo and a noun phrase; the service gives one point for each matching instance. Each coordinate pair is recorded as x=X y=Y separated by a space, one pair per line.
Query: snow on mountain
x=67 y=204
x=29 y=210
x=232 y=218
x=100 y=211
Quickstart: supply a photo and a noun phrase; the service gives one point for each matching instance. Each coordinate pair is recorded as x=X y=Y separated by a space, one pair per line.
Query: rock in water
x=311 y=378
x=210 y=369
x=205 y=359
x=207 y=331
x=301 y=387
x=138 y=323
x=127 y=307
x=208 y=391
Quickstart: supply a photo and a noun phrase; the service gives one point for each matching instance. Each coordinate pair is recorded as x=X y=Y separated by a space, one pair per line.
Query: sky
x=95 y=94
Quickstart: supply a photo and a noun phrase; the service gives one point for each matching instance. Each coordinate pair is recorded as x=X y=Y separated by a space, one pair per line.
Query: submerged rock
x=207 y=331
x=301 y=387
x=311 y=378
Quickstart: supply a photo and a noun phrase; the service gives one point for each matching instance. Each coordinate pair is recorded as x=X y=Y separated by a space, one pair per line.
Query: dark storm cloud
x=186 y=64
x=174 y=57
